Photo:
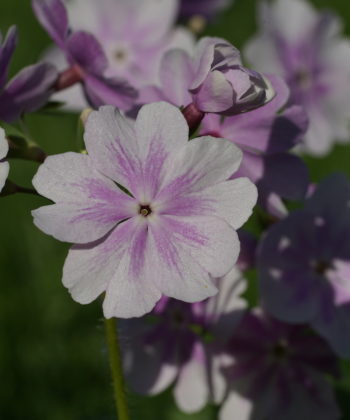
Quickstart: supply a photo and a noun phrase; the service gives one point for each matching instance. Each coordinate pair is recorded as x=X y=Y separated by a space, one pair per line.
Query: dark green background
x=53 y=361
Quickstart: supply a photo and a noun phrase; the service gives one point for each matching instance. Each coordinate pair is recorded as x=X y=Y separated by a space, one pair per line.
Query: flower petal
x=110 y=141
x=192 y=388
x=88 y=204
x=187 y=250
x=53 y=17
x=84 y=49
x=176 y=74
x=205 y=161
x=6 y=51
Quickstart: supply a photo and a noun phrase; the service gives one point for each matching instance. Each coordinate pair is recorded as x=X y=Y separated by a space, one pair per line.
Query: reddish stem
x=69 y=77
x=193 y=116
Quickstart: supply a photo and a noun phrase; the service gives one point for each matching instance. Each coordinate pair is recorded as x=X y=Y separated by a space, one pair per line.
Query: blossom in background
x=86 y=58
x=184 y=344
x=306 y=48
x=134 y=35
x=266 y=135
x=29 y=89
x=206 y=8
x=304 y=264
x=170 y=235
x=4 y=166
x=213 y=79
x=278 y=372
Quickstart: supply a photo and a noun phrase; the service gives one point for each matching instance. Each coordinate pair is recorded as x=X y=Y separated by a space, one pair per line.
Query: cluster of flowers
x=153 y=216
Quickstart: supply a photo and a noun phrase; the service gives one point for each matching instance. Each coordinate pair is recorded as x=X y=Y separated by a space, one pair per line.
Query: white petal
x=191 y=390
x=236 y=407
x=203 y=162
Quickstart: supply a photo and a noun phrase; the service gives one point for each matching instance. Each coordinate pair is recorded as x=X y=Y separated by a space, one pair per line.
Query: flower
x=133 y=34
x=306 y=48
x=29 y=89
x=214 y=80
x=170 y=235
x=4 y=166
x=266 y=135
x=278 y=372
x=206 y=8
x=184 y=344
x=87 y=60
x=304 y=263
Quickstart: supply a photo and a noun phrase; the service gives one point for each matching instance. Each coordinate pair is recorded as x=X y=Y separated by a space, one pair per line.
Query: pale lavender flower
x=170 y=235
x=86 y=58
x=278 y=372
x=4 y=166
x=206 y=8
x=306 y=48
x=266 y=135
x=213 y=79
x=184 y=344
x=29 y=89
x=304 y=264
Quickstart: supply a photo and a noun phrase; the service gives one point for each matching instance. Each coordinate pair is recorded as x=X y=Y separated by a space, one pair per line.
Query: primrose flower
x=278 y=372
x=184 y=344
x=265 y=135
x=213 y=80
x=133 y=33
x=206 y=8
x=87 y=60
x=169 y=234
x=4 y=166
x=304 y=264
x=306 y=48
x=29 y=89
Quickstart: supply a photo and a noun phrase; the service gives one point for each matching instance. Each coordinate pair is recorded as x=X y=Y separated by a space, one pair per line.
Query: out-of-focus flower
x=213 y=80
x=278 y=372
x=304 y=264
x=265 y=135
x=87 y=60
x=4 y=166
x=29 y=89
x=305 y=47
x=185 y=343
x=133 y=34
x=206 y=8
x=170 y=235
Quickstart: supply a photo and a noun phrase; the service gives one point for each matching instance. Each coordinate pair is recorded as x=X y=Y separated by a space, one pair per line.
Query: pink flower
x=169 y=235
x=306 y=48
x=4 y=166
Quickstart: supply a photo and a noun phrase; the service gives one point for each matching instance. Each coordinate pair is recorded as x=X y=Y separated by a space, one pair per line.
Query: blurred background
x=53 y=361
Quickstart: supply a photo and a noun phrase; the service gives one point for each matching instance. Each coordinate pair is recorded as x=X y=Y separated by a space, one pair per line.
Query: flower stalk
x=116 y=369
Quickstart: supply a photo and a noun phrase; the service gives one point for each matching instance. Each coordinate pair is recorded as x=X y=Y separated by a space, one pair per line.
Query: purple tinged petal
x=215 y=94
x=112 y=91
x=27 y=91
x=88 y=204
x=53 y=17
x=204 y=162
x=84 y=50
x=110 y=141
x=176 y=73
x=286 y=175
x=6 y=51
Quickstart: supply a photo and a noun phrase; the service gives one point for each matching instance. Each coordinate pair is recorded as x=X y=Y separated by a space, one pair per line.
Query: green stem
x=116 y=369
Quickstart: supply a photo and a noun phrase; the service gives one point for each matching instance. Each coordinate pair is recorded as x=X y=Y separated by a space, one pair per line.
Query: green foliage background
x=53 y=362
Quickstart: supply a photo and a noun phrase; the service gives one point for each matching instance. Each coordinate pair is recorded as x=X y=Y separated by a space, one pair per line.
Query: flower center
x=280 y=350
x=145 y=210
x=320 y=267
